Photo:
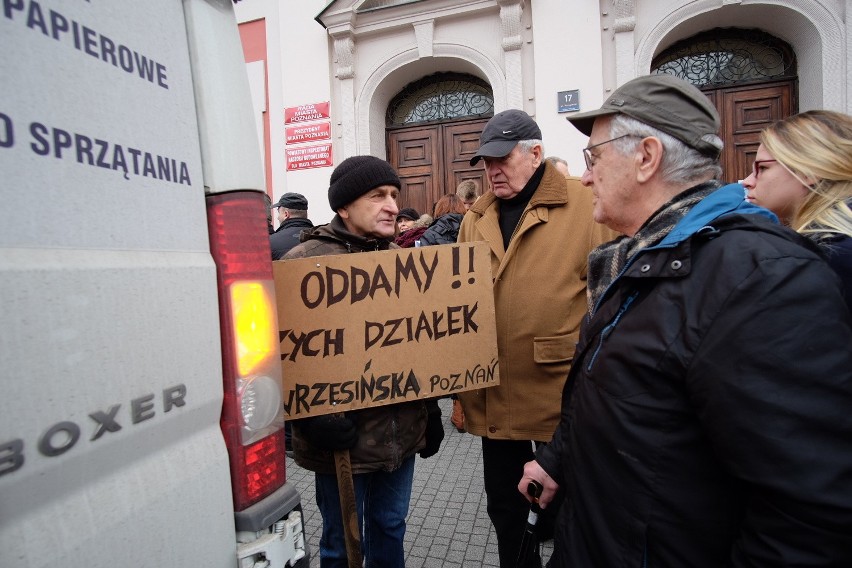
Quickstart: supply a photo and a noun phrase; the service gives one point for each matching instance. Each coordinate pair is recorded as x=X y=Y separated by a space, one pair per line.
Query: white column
x=625 y=23
x=511 y=26
x=344 y=53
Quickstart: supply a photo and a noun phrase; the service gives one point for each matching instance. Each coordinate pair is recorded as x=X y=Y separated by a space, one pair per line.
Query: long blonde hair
x=816 y=147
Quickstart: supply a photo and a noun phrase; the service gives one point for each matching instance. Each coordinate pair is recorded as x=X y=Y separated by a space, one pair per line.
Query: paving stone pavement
x=447 y=524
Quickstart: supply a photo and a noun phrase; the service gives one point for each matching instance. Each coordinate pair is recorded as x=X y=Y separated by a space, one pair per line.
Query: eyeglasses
x=587 y=154
x=755 y=168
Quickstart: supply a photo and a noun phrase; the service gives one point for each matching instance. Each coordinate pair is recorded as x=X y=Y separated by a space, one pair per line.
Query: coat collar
x=717 y=210
x=295 y=222
x=337 y=231
x=551 y=192
x=724 y=201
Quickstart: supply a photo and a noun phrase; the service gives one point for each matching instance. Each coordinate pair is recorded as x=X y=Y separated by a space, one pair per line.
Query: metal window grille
x=725 y=56
x=442 y=96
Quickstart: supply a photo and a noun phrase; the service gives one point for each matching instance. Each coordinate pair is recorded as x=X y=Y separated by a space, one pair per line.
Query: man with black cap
x=540 y=231
x=382 y=440
x=706 y=418
x=292 y=211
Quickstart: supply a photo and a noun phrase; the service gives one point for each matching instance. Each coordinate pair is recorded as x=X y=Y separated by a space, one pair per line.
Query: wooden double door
x=433 y=159
x=746 y=110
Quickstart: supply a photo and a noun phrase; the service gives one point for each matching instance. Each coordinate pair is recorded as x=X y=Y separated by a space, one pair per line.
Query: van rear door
x=111 y=451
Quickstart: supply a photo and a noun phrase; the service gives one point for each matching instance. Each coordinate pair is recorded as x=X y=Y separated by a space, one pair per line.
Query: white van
x=141 y=421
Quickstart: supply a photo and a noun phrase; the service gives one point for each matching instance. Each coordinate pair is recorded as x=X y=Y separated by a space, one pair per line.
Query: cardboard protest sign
x=368 y=329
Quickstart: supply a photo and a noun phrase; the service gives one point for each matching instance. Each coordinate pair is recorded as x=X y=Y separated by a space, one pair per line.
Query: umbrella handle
x=528 y=540
x=534 y=489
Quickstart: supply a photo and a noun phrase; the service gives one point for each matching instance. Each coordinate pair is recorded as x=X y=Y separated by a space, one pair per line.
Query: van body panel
x=121 y=350
x=116 y=121
x=103 y=127
x=228 y=165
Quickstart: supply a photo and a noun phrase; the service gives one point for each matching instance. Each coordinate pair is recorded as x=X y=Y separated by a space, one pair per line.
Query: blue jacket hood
x=724 y=201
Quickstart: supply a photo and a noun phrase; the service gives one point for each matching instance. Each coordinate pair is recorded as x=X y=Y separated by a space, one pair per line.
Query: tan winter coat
x=540 y=299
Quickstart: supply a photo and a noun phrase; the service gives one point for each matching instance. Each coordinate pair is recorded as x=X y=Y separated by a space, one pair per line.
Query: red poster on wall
x=306 y=157
x=306 y=113
x=308 y=132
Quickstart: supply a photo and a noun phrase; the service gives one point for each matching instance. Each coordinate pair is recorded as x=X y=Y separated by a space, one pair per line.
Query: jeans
x=382 y=500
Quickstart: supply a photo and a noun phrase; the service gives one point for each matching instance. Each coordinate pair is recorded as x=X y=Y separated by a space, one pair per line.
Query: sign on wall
x=304 y=157
x=308 y=132
x=306 y=113
x=568 y=101
x=369 y=329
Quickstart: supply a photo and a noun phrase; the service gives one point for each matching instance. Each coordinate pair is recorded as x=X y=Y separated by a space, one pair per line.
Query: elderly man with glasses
x=706 y=420
x=539 y=227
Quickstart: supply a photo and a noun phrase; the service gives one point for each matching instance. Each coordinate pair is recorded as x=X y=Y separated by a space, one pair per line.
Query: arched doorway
x=433 y=127
x=750 y=76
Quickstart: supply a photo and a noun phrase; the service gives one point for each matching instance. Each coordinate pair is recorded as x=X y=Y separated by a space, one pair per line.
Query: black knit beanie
x=357 y=175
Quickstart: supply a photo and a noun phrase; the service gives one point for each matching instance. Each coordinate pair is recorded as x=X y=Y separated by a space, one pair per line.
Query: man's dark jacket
x=287 y=235
x=707 y=418
x=445 y=230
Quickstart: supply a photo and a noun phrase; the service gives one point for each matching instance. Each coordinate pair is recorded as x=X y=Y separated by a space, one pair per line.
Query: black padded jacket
x=707 y=418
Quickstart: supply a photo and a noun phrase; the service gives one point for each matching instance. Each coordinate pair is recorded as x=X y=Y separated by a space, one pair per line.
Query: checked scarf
x=607 y=261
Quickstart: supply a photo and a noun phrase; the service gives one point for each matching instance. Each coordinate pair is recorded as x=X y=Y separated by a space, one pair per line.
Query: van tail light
x=252 y=413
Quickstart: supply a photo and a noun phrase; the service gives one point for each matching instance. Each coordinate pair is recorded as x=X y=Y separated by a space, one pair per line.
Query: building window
x=442 y=96
x=725 y=56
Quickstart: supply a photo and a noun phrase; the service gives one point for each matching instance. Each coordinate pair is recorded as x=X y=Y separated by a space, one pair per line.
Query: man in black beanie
x=381 y=440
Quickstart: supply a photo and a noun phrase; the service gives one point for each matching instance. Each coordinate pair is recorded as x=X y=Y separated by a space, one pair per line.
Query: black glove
x=434 y=430
x=330 y=432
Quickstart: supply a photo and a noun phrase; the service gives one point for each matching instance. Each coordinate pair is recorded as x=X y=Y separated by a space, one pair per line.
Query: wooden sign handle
x=348 y=509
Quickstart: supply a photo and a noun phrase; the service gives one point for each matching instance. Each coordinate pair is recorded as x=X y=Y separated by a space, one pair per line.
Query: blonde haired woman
x=803 y=173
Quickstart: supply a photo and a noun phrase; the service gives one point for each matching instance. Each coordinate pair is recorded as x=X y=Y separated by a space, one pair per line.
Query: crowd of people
x=675 y=352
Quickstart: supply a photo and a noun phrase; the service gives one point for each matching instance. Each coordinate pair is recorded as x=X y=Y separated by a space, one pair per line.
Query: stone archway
x=387 y=79
x=750 y=76
x=816 y=34
x=433 y=127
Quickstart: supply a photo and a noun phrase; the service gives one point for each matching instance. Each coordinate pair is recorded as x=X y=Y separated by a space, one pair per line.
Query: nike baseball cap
x=666 y=103
x=503 y=132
